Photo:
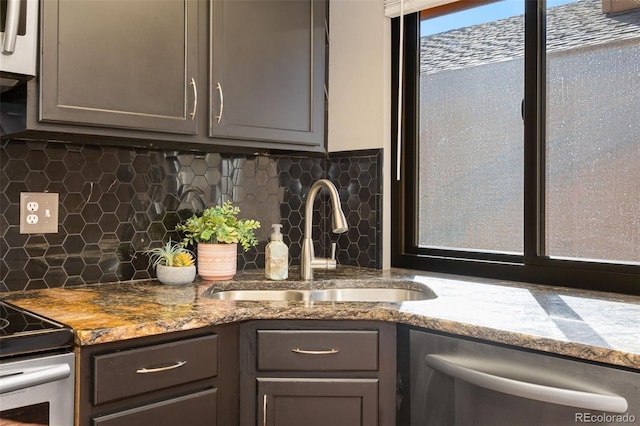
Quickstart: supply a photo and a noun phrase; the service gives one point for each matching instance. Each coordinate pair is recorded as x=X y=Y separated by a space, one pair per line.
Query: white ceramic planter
x=217 y=262
x=173 y=275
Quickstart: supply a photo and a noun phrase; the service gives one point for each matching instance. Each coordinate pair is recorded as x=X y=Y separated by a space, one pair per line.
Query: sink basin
x=367 y=294
x=370 y=295
x=262 y=295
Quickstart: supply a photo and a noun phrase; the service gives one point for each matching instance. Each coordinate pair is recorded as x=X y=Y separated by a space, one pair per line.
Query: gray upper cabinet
x=178 y=74
x=268 y=72
x=121 y=64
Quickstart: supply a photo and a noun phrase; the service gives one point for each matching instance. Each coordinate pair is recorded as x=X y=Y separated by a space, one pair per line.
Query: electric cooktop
x=23 y=332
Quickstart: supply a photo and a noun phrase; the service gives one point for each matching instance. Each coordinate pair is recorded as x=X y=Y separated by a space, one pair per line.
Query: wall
x=359 y=87
x=116 y=202
x=357 y=75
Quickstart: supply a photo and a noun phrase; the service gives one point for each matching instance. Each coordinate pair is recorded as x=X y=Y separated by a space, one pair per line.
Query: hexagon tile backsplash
x=116 y=202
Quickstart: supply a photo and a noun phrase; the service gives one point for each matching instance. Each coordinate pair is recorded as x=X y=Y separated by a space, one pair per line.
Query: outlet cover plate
x=38 y=212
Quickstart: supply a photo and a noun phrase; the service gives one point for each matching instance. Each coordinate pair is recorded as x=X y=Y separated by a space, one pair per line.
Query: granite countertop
x=595 y=326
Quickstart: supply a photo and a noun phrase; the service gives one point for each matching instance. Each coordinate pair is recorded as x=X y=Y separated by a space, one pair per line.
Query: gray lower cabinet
x=123 y=64
x=199 y=408
x=268 y=71
x=188 y=378
x=318 y=402
x=317 y=373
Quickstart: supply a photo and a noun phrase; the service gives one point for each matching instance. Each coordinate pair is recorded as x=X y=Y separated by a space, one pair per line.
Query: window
x=521 y=145
x=592 y=202
x=470 y=140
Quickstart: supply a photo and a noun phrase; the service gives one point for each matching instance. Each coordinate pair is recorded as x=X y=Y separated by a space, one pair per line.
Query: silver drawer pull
x=306 y=352
x=159 y=369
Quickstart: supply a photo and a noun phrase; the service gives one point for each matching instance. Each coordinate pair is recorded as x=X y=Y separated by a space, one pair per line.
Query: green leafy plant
x=171 y=254
x=219 y=225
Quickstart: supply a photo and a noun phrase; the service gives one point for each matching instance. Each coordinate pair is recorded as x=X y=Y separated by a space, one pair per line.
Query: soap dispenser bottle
x=276 y=256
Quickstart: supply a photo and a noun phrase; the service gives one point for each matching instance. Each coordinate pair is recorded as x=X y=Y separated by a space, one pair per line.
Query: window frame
x=533 y=266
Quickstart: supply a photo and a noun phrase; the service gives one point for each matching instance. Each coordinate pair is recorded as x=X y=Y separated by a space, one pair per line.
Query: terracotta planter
x=172 y=275
x=217 y=262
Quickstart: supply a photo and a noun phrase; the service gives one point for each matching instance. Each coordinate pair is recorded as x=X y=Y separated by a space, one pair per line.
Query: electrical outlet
x=38 y=213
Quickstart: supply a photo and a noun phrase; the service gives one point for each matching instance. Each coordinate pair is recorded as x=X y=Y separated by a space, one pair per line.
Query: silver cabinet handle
x=159 y=369
x=572 y=398
x=219 y=88
x=264 y=410
x=307 y=352
x=195 y=98
x=11 y=26
x=37 y=376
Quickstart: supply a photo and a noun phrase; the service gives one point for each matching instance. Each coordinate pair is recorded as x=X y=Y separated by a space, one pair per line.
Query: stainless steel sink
x=370 y=295
x=366 y=294
x=262 y=295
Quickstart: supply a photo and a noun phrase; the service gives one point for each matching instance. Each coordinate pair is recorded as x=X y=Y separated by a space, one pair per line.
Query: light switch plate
x=38 y=213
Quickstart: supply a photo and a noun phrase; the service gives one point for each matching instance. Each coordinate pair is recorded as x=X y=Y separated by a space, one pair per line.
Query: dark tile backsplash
x=116 y=202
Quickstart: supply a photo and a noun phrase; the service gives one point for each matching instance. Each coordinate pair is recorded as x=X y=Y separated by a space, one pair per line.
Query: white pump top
x=276 y=235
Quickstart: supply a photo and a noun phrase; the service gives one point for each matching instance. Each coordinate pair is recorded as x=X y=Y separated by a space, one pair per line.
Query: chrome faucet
x=308 y=261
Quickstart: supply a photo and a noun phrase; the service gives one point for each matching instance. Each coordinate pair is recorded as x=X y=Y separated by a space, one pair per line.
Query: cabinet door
x=126 y=64
x=317 y=402
x=268 y=71
x=197 y=409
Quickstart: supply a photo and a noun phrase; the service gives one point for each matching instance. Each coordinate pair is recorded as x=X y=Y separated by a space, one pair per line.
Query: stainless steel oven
x=37 y=370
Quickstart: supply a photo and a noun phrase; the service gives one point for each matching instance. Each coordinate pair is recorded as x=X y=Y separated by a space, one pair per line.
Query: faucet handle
x=331 y=262
x=325 y=262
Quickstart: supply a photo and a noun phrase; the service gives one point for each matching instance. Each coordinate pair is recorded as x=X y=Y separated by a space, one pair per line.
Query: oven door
x=37 y=391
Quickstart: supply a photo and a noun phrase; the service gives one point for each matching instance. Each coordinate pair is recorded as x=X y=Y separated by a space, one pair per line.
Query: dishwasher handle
x=555 y=395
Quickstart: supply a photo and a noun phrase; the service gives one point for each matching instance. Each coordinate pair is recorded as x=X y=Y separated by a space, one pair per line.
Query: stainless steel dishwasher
x=459 y=382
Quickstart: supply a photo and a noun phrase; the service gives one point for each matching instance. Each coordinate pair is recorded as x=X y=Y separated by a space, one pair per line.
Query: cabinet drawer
x=136 y=371
x=318 y=350
x=198 y=409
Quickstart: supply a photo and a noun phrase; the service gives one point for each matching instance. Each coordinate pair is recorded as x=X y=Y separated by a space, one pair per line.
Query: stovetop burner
x=23 y=332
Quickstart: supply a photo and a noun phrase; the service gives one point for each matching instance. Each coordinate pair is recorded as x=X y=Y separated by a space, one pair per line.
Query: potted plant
x=174 y=264
x=217 y=231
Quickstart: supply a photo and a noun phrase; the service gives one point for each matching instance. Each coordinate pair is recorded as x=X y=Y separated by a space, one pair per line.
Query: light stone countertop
x=594 y=326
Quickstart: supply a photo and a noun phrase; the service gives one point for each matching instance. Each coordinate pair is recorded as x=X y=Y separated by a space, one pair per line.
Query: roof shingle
x=572 y=25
